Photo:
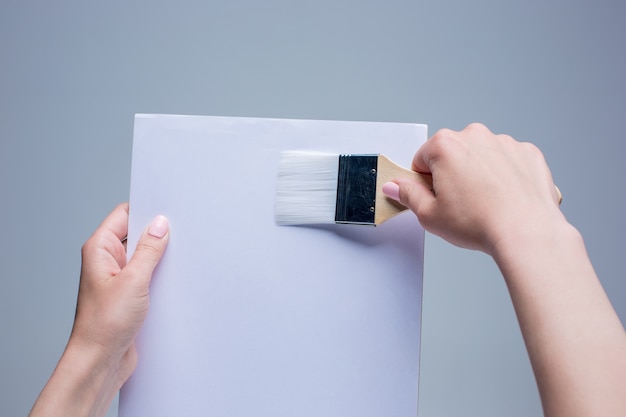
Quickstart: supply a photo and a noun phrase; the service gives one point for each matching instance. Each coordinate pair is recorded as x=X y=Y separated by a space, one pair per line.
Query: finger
x=431 y=150
x=420 y=159
x=416 y=196
x=559 y=195
x=107 y=239
x=116 y=222
x=149 y=250
x=413 y=194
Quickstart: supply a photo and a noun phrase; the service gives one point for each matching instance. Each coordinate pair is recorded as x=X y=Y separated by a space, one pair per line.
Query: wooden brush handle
x=387 y=171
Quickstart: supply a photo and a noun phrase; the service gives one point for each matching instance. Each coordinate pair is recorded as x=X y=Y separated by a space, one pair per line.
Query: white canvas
x=251 y=319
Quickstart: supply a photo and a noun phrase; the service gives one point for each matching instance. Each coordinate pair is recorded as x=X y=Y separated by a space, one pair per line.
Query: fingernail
x=158 y=227
x=392 y=190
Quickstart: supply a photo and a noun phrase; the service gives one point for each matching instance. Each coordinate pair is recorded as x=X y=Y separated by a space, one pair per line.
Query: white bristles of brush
x=306 y=189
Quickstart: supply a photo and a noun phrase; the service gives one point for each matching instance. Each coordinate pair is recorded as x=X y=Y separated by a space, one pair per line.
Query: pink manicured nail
x=392 y=190
x=158 y=227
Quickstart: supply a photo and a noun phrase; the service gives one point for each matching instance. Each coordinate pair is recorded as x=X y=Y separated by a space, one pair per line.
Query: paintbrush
x=314 y=187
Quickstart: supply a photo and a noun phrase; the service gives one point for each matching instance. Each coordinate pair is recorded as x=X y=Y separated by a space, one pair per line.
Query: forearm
x=575 y=340
x=83 y=383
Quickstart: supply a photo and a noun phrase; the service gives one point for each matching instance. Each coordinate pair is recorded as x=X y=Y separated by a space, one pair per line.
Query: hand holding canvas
x=112 y=304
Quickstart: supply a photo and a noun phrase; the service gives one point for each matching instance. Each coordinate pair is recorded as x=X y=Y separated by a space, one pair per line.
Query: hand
x=113 y=297
x=495 y=194
x=113 y=300
x=486 y=188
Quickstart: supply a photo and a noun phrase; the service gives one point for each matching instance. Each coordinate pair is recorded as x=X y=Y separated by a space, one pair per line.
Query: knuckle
x=424 y=214
x=532 y=151
x=92 y=244
x=86 y=249
x=440 y=140
x=409 y=197
x=477 y=127
x=443 y=134
x=146 y=249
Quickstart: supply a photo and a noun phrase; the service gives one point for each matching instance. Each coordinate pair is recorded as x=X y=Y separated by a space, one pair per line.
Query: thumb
x=413 y=194
x=149 y=249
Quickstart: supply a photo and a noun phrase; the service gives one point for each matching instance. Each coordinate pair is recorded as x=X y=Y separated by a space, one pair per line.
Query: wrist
x=551 y=251
x=541 y=236
x=84 y=382
x=95 y=365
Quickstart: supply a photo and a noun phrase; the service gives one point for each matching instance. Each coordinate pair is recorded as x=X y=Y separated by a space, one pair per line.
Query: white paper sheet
x=251 y=319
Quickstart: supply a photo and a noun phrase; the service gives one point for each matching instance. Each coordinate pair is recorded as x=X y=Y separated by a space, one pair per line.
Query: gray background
x=73 y=74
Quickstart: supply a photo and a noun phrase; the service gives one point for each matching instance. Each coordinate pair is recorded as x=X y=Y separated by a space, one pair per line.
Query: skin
x=575 y=340
x=113 y=300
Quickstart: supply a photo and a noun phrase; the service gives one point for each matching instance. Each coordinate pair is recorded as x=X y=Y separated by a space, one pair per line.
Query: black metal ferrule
x=356 y=189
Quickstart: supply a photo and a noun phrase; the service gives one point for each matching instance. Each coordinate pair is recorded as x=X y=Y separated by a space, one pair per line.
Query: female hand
x=486 y=188
x=113 y=297
x=495 y=194
x=113 y=300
